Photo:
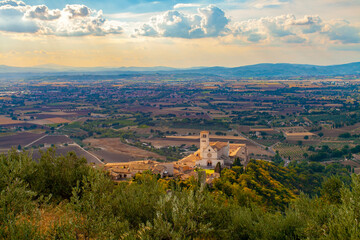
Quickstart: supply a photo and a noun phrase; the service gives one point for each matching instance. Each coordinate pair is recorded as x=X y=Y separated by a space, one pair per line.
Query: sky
x=178 y=33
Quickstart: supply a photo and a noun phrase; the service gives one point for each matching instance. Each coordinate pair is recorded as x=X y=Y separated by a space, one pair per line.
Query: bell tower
x=204 y=141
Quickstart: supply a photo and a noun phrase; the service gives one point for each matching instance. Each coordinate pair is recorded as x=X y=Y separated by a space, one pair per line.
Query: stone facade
x=210 y=154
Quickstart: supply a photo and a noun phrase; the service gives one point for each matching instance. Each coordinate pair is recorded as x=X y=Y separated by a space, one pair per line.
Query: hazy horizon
x=49 y=65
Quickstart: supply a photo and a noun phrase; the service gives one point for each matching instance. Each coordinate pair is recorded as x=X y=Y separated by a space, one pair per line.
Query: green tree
x=237 y=162
x=57 y=175
x=345 y=223
x=345 y=135
x=277 y=159
x=218 y=168
x=331 y=189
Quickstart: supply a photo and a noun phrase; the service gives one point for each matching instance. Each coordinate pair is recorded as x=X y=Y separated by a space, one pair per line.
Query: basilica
x=212 y=153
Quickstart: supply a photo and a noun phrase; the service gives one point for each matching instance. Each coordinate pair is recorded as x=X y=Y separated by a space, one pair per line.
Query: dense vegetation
x=64 y=198
x=326 y=153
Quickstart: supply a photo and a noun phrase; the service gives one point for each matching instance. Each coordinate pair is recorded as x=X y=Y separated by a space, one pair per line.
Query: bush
x=345 y=135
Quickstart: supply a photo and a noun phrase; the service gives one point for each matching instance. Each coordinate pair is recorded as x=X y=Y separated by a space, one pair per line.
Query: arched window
x=209 y=163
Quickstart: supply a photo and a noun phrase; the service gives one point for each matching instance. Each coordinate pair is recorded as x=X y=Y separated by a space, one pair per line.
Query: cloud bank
x=212 y=22
x=286 y=28
x=207 y=22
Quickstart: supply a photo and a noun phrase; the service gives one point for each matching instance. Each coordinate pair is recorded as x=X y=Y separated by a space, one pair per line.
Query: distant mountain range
x=258 y=70
x=59 y=68
x=283 y=69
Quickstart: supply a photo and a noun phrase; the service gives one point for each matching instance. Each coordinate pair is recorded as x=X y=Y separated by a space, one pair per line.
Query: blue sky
x=111 y=6
x=178 y=33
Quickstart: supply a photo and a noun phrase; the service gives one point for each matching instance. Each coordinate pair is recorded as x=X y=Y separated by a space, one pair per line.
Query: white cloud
x=310 y=24
x=342 y=31
x=266 y=29
x=73 y=20
x=213 y=21
x=209 y=22
x=42 y=12
x=186 y=5
x=269 y=3
x=76 y=10
x=12 y=3
x=288 y=29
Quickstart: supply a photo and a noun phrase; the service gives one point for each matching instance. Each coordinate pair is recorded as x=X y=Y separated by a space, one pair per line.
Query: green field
x=295 y=152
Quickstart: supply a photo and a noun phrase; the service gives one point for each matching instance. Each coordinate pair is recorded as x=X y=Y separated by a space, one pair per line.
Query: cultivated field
x=162 y=142
x=112 y=150
x=62 y=150
x=295 y=152
x=45 y=121
x=51 y=139
x=8 y=121
x=22 y=139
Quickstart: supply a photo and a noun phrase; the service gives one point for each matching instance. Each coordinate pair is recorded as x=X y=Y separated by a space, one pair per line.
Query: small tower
x=204 y=141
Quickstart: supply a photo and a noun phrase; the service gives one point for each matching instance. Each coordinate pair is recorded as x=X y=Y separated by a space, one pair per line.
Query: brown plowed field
x=22 y=139
x=8 y=121
x=53 y=139
x=64 y=150
x=112 y=150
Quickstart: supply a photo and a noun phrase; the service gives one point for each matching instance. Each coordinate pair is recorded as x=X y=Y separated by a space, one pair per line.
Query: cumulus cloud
x=42 y=12
x=209 y=22
x=77 y=11
x=80 y=26
x=73 y=20
x=269 y=28
x=12 y=3
x=342 y=31
x=309 y=24
x=288 y=29
x=212 y=22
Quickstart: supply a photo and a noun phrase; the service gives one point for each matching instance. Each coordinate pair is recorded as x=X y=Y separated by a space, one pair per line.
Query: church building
x=211 y=153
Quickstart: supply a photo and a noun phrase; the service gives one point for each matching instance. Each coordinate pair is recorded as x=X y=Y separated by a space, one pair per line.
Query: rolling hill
x=257 y=70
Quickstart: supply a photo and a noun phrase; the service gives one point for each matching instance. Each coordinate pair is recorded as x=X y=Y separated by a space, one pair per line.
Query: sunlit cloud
x=186 y=5
x=73 y=20
x=269 y=3
x=209 y=22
